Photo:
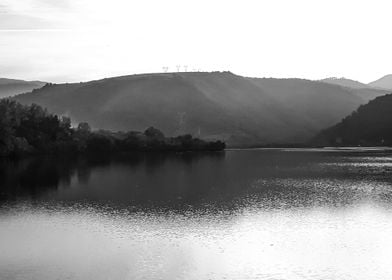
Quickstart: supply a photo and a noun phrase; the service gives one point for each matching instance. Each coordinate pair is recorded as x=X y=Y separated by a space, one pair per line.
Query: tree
x=84 y=127
x=154 y=133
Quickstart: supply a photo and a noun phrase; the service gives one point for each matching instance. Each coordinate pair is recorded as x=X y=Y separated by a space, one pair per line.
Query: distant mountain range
x=345 y=82
x=382 y=83
x=369 y=125
x=220 y=105
x=10 y=87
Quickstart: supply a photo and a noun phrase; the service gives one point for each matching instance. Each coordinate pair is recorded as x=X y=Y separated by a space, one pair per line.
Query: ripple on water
x=293 y=243
x=249 y=215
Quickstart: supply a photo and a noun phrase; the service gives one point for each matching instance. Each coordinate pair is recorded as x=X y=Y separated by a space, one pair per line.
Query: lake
x=238 y=214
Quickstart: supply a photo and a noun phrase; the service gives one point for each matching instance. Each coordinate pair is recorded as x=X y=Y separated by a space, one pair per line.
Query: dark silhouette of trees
x=154 y=133
x=32 y=130
x=84 y=127
x=26 y=129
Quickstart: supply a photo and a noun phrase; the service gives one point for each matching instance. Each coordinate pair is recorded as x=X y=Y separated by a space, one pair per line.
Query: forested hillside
x=369 y=125
x=220 y=105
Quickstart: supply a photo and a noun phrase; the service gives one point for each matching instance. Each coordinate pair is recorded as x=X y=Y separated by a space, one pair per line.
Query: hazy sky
x=74 y=40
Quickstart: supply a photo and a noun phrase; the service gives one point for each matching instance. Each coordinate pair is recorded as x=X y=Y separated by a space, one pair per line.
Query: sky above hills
x=79 y=40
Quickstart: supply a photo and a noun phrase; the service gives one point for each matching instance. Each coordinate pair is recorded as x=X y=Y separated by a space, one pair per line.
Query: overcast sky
x=78 y=40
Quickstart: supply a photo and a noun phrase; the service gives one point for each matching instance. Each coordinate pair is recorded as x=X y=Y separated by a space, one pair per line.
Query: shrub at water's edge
x=32 y=130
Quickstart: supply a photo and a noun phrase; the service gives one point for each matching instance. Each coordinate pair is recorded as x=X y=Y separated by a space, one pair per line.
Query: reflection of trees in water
x=178 y=180
x=32 y=177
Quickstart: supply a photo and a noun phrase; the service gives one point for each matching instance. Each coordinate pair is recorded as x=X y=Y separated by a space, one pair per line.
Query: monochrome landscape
x=195 y=140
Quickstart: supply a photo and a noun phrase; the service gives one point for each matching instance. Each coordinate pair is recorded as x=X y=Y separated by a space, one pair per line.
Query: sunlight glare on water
x=290 y=244
x=280 y=217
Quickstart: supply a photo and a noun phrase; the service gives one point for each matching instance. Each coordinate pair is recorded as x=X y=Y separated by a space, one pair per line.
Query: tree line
x=33 y=130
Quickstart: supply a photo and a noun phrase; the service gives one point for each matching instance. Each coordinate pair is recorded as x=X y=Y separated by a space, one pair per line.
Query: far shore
x=318 y=149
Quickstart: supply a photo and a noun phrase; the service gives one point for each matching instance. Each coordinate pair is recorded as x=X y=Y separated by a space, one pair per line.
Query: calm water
x=256 y=214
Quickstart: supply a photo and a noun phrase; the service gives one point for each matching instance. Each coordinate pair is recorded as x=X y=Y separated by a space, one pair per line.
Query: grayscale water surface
x=251 y=214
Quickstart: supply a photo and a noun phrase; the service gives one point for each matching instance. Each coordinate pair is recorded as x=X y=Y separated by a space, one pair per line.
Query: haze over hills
x=10 y=87
x=344 y=82
x=383 y=83
x=369 y=125
x=219 y=105
x=365 y=91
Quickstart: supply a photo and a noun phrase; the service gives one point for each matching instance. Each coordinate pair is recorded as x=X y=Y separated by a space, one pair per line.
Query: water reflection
x=266 y=214
x=174 y=181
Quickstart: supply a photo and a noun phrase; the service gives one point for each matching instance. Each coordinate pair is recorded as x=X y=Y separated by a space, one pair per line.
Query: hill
x=220 y=105
x=345 y=82
x=369 y=125
x=10 y=87
x=383 y=83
